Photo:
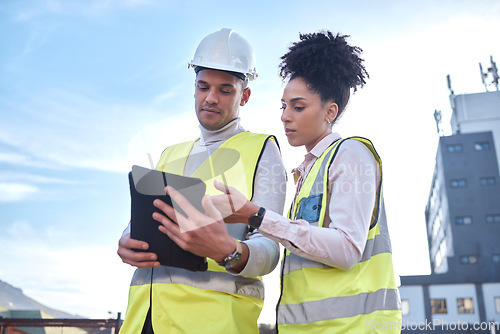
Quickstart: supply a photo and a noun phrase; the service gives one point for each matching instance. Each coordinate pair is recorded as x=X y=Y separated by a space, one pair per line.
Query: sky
x=90 y=88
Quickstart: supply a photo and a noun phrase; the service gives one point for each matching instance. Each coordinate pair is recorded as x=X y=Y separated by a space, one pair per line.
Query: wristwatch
x=256 y=219
x=232 y=259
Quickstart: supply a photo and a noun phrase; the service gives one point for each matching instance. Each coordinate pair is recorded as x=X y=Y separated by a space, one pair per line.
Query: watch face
x=255 y=221
x=233 y=261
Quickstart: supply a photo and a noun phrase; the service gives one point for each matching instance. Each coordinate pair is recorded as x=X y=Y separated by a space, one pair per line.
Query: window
x=440 y=257
x=463 y=220
x=465 y=305
x=468 y=259
x=458 y=183
x=453 y=148
x=435 y=195
x=481 y=146
x=436 y=226
x=405 y=306
x=495 y=258
x=439 y=306
x=487 y=181
x=495 y=218
x=497 y=304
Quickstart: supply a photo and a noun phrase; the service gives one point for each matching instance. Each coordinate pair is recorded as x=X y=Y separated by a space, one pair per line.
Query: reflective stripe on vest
x=209 y=280
x=339 y=307
x=327 y=298
x=174 y=290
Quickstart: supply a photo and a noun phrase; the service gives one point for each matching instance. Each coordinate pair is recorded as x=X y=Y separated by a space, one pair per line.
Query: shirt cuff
x=262 y=258
x=274 y=224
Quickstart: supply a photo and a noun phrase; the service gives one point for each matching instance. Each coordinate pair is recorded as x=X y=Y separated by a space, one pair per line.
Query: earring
x=329 y=121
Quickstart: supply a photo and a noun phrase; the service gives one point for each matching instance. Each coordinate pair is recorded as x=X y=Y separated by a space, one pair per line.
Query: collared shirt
x=269 y=191
x=352 y=185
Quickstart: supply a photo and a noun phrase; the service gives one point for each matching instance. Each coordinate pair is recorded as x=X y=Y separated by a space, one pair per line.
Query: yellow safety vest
x=214 y=301
x=317 y=298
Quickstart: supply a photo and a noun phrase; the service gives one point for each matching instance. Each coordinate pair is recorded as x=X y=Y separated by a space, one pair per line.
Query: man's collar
x=227 y=131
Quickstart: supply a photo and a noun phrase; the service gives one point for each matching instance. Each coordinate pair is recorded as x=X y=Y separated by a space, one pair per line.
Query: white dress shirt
x=352 y=187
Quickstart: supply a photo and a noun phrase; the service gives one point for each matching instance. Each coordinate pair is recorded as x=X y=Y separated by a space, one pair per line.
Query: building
x=462 y=293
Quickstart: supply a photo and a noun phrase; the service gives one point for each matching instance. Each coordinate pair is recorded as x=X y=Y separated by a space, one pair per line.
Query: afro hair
x=327 y=63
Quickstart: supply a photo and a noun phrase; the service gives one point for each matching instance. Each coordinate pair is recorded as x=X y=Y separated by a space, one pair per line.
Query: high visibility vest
x=317 y=298
x=214 y=301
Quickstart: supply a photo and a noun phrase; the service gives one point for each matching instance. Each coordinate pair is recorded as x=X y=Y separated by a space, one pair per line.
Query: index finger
x=181 y=201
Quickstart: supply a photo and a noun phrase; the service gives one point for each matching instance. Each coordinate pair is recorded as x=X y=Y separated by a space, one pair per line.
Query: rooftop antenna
x=437 y=118
x=448 y=79
x=493 y=71
x=452 y=93
x=483 y=76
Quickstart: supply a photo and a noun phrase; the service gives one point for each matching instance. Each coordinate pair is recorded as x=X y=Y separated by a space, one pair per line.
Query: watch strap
x=237 y=253
x=255 y=220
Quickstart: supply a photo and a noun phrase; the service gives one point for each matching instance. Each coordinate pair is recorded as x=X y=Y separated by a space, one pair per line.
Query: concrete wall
x=451 y=292
x=474 y=200
x=490 y=291
x=476 y=113
x=415 y=296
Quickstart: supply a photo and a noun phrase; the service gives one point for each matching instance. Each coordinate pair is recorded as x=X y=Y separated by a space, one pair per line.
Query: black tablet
x=146 y=185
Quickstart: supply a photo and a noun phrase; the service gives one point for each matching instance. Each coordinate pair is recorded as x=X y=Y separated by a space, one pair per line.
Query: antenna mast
x=437 y=118
x=448 y=79
x=493 y=71
x=483 y=76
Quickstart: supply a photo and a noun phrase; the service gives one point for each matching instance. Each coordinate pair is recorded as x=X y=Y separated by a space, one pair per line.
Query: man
x=228 y=297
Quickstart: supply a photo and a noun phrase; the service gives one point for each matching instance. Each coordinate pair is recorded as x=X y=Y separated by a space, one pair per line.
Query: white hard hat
x=225 y=50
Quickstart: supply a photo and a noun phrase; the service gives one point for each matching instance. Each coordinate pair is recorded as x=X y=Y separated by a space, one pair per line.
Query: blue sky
x=88 y=88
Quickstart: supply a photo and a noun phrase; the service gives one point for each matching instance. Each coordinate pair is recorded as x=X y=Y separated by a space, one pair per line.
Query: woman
x=337 y=274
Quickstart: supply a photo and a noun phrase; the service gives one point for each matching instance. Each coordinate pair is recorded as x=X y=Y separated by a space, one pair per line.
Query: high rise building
x=463 y=224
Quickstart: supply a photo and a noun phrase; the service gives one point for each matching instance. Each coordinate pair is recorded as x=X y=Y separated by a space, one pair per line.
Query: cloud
x=68 y=129
x=69 y=279
x=166 y=97
x=90 y=8
x=21 y=230
x=39 y=35
x=18 y=186
x=9 y=176
x=153 y=138
x=15 y=192
x=19 y=159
